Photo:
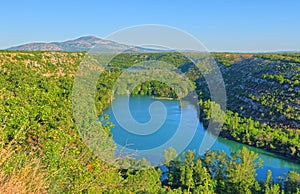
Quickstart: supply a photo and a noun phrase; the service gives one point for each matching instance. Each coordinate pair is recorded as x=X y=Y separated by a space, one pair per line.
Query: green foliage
x=241 y=171
x=234 y=174
x=154 y=88
x=217 y=172
x=262 y=86
x=104 y=89
x=248 y=131
x=143 y=181
x=188 y=175
x=291 y=182
x=36 y=113
x=126 y=60
x=228 y=59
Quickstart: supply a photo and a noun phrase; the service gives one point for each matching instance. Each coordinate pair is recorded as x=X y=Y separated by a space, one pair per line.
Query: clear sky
x=221 y=25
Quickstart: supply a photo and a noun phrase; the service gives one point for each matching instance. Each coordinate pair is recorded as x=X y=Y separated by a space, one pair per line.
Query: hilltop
x=82 y=44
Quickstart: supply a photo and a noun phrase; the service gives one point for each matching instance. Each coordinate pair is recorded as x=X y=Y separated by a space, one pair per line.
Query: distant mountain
x=84 y=43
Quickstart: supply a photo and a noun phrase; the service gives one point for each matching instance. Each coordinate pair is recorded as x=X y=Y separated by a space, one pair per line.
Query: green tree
x=291 y=182
x=241 y=171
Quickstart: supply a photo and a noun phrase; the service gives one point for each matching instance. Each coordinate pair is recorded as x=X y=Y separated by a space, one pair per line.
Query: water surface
x=139 y=109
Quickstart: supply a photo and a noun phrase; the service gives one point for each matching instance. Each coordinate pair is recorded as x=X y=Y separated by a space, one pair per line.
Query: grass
x=27 y=176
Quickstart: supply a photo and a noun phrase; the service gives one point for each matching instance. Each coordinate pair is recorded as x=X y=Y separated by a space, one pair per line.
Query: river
x=172 y=113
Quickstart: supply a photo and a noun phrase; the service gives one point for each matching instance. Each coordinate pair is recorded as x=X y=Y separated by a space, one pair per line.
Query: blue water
x=180 y=129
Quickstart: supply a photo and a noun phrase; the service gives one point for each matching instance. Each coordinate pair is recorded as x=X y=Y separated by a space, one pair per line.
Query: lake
x=178 y=127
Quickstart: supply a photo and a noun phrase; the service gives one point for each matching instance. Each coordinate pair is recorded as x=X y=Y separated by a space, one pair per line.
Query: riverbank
x=225 y=134
x=252 y=133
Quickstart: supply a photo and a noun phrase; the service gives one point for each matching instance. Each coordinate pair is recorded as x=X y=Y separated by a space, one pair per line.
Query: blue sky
x=231 y=25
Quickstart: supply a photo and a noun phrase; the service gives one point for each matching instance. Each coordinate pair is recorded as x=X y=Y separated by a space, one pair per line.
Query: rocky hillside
x=265 y=87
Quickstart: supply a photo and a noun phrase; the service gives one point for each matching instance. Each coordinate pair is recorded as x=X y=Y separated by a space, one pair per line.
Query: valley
x=38 y=131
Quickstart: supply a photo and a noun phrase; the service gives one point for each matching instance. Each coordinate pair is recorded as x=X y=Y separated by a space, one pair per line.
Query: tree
x=186 y=177
x=216 y=164
x=241 y=171
x=291 y=182
x=208 y=184
x=143 y=180
x=270 y=187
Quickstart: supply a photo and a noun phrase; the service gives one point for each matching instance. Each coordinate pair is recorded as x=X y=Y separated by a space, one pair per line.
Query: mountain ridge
x=81 y=44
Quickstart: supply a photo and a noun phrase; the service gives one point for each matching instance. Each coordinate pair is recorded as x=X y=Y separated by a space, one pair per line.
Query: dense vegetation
x=262 y=95
x=41 y=150
x=262 y=98
x=266 y=88
x=217 y=172
x=251 y=132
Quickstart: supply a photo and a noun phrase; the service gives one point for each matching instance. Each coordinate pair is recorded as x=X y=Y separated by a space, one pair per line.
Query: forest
x=41 y=150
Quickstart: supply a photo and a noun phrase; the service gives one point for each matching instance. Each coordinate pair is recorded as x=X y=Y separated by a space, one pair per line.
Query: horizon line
x=95 y=36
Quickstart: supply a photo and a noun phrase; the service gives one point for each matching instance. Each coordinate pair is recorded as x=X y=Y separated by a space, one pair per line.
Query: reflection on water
x=139 y=108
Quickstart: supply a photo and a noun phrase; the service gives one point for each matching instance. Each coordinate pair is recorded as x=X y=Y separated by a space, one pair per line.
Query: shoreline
x=226 y=136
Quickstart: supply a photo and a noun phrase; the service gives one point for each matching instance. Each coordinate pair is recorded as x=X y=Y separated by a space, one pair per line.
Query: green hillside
x=41 y=150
